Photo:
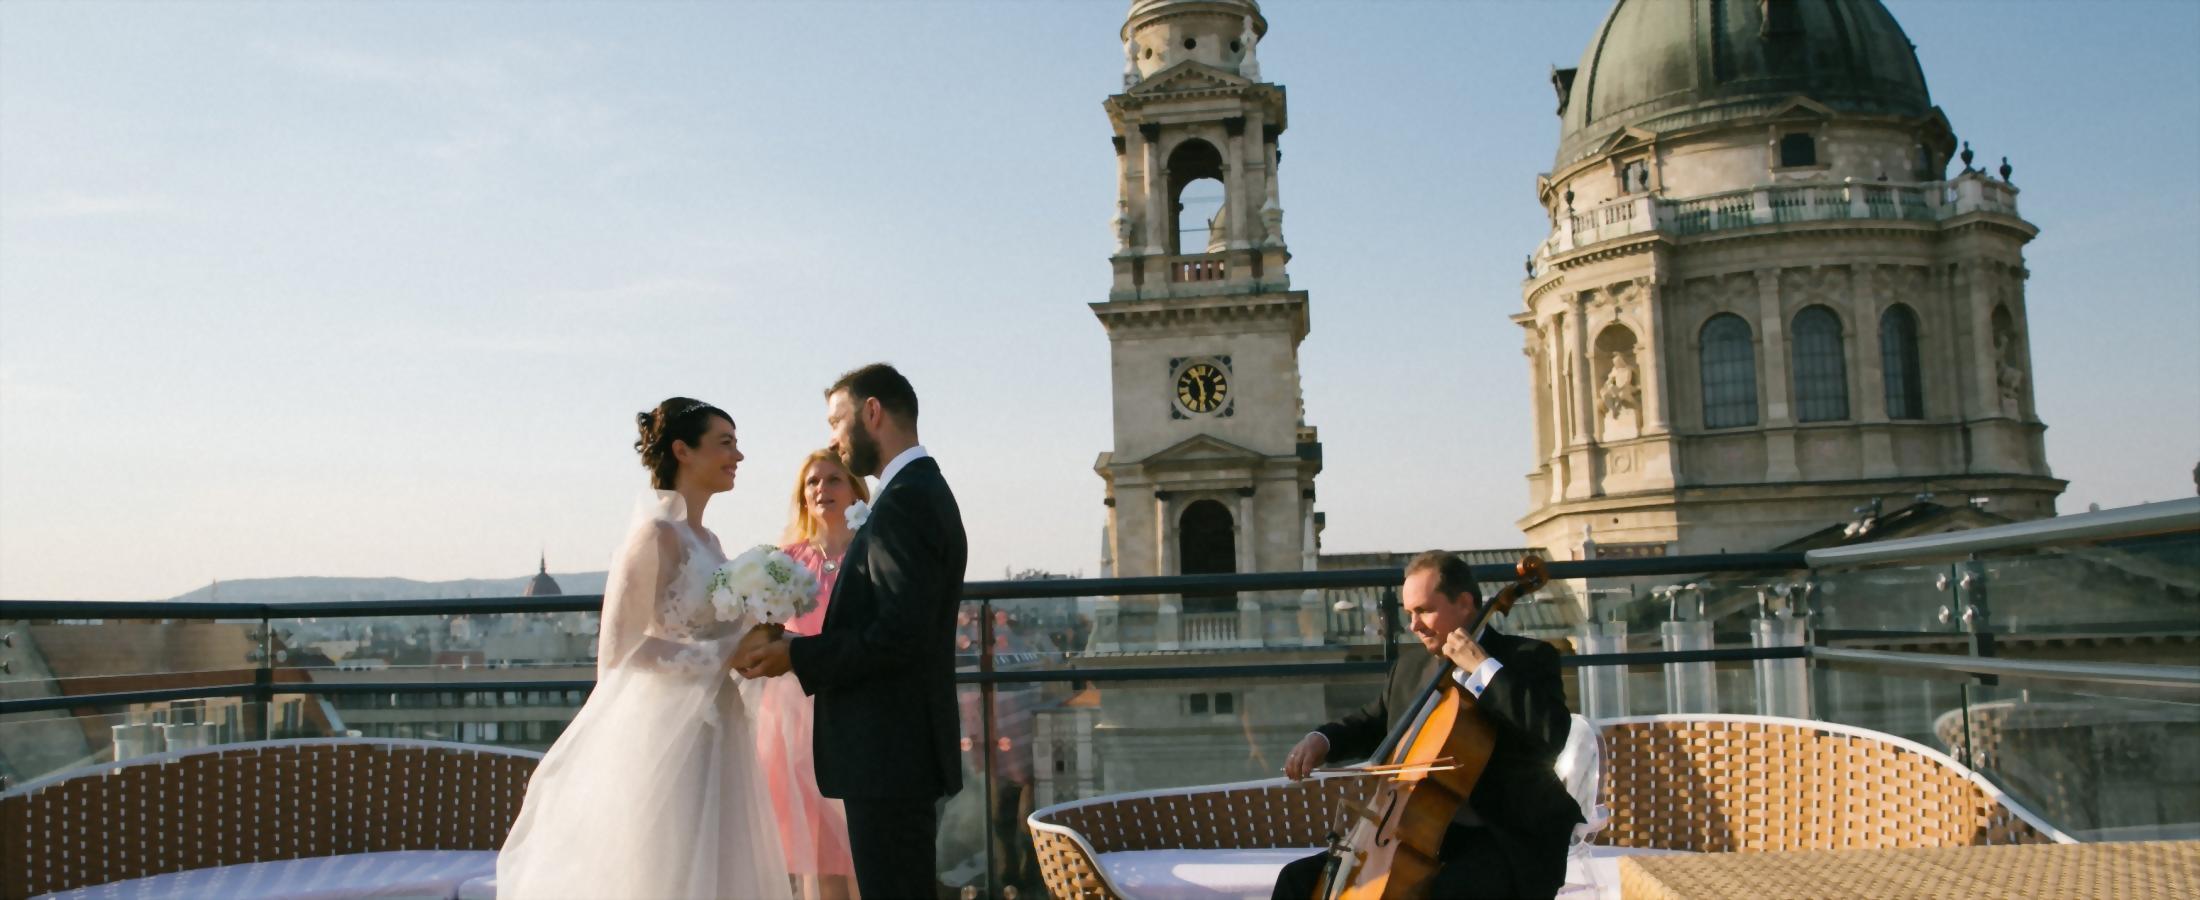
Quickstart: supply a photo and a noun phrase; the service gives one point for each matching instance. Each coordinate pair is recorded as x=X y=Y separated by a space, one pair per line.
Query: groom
x=883 y=667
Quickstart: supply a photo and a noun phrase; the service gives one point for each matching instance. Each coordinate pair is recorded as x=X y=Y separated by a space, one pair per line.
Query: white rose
x=857 y=513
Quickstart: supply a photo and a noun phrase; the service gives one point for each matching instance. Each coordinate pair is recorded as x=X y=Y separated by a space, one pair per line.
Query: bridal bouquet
x=766 y=583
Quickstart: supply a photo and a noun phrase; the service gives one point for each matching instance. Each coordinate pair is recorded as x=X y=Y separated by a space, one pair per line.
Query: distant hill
x=270 y=590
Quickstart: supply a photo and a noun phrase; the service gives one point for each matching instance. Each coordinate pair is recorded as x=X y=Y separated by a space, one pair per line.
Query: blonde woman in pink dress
x=813 y=830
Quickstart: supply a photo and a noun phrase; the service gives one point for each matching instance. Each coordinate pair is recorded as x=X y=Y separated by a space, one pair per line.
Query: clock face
x=1202 y=387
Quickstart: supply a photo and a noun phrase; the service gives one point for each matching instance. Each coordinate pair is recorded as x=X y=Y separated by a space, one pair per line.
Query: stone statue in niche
x=1122 y=225
x=2007 y=374
x=1619 y=399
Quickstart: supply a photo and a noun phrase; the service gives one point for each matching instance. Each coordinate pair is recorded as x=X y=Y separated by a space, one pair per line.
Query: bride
x=653 y=791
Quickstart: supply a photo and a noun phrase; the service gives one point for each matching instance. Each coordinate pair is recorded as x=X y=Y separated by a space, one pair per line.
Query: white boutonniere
x=858 y=513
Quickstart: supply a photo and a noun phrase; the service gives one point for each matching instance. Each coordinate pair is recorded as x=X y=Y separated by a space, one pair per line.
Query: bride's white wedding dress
x=653 y=791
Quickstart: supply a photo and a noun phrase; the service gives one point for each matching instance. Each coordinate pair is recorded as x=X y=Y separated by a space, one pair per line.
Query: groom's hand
x=768 y=659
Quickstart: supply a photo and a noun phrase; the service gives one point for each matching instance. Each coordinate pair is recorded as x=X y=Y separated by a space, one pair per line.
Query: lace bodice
x=657 y=610
x=684 y=612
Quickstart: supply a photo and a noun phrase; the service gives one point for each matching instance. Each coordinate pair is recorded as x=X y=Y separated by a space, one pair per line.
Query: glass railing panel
x=2099 y=766
x=56 y=657
x=517 y=718
x=1701 y=688
x=2145 y=585
x=1911 y=606
x=1055 y=633
x=1906 y=703
x=1054 y=742
x=1191 y=629
x=37 y=744
x=460 y=641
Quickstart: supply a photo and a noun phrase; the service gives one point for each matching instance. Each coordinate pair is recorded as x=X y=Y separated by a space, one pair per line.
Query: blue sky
x=375 y=289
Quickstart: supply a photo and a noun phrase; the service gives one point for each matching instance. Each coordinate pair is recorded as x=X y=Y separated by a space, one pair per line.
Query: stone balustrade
x=1774 y=204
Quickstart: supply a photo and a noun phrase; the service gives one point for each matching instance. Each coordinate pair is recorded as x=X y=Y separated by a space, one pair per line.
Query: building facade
x=1213 y=464
x=1763 y=303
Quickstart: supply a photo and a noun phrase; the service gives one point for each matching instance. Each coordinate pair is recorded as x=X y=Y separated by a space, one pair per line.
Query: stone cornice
x=1227 y=309
x=1537 y=292
x=1615 y=248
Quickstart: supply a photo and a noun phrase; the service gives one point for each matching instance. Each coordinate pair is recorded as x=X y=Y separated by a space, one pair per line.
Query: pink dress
x=813 y=830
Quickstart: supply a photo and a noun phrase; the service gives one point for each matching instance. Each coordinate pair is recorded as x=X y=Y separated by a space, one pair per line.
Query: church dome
x=543 y=585
x=1667 y=64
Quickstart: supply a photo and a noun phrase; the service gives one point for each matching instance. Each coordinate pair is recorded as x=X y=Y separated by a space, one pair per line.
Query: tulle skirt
x=813 y=829
x=652 y=792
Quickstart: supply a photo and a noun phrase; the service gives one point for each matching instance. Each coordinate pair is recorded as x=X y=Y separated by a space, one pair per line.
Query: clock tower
x=1213 y=465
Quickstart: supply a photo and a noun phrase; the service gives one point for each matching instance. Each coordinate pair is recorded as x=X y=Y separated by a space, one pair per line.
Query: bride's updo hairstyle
x=678 y=419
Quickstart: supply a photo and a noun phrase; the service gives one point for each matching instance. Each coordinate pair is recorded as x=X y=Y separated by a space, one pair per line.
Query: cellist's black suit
x=1517 y=848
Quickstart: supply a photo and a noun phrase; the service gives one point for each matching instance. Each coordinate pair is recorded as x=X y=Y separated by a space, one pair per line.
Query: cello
x=1429 y=764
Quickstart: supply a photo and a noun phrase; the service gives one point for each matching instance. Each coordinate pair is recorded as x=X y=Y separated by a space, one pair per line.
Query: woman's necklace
x=832 y=560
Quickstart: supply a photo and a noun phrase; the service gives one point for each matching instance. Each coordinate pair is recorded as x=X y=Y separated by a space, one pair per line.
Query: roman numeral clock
x=1202 y=387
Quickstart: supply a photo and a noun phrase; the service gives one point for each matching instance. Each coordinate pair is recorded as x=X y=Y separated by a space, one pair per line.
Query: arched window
x=1196 y=194
x=1898 y=359
x=1821 y=373
x=1798 y=149
x=1206 y=544
x=1729 y=373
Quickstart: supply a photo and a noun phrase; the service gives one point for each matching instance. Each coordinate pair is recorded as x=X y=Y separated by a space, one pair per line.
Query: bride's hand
x=745 y=649
x=761 y=654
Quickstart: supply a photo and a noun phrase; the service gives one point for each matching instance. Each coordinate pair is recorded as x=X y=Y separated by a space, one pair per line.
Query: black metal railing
x=982 y=673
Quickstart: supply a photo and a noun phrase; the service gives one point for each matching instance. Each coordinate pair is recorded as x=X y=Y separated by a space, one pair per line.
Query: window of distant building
x=1821 y=373
x=1729 y=371
x=1898 y=359
x=1798 y=149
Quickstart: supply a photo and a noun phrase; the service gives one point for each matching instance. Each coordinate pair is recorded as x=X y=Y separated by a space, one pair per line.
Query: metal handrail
x=2169 y=517
x=2179 y=679
x=1040 y=588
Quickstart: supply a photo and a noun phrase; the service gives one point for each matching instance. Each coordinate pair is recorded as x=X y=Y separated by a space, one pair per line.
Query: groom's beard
x=861 y=454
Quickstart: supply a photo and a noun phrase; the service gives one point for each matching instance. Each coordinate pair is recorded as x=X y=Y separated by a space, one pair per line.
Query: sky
x=377 y=289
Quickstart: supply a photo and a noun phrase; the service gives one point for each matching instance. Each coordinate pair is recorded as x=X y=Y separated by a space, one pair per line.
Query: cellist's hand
x=1463 y=651
x=1310 y=752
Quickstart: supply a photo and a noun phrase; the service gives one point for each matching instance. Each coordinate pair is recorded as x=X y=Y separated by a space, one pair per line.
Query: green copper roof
x=1669 y=64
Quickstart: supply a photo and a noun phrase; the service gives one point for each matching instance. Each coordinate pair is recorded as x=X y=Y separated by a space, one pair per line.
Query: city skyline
x=375 y=291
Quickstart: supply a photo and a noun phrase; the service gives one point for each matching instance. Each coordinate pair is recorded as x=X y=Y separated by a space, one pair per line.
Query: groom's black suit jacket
x=883 y=667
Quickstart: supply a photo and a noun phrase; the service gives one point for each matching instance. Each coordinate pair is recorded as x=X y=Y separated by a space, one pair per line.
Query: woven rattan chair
x=1710 y=783
x=1689 y=783
x=1276 y=812
x=255 y=802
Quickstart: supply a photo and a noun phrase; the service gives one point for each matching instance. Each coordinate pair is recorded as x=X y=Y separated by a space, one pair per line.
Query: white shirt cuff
x=1477 y=681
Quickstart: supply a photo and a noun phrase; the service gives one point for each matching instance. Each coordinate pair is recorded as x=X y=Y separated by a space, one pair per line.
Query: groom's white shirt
x=895 y=466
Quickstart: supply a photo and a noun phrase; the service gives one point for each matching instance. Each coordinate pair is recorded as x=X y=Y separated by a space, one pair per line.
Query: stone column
x=1650 y=358
x=1584 y=393
x=1561 y=428
x=1772 y=380
x=1869 y=381
x=1582 y=460
x=1247 y=535
x=1157 y=189
x=1168 y=629
x=1234 y=186
x=1248 y=560
x=1164 y=550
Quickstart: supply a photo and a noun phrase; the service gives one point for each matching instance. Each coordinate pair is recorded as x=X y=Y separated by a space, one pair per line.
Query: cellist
x=1509 y=839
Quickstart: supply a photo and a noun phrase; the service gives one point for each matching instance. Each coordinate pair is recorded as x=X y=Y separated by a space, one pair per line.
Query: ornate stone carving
x=2007 y=373
x=1249 y=68
x=1122 y=225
